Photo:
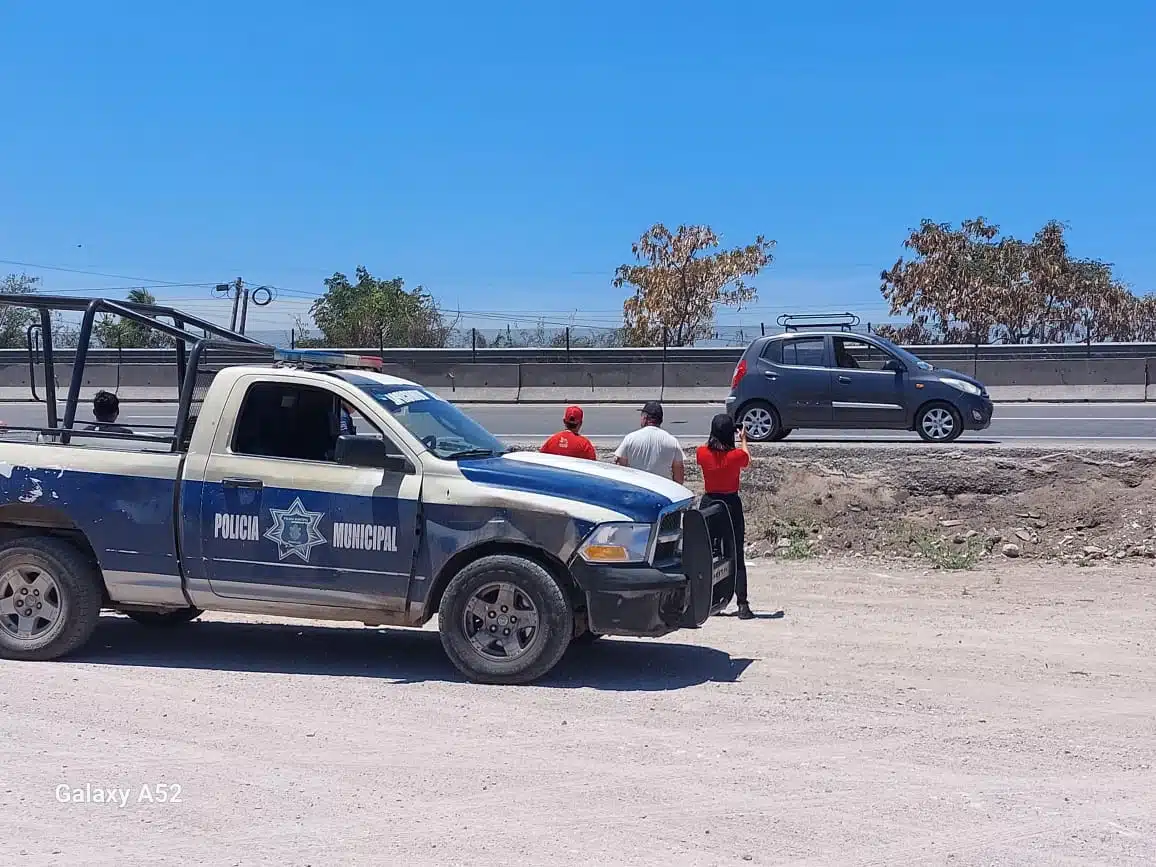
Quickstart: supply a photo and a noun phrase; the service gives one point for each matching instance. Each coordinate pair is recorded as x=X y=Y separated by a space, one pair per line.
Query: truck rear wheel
x=163 y=619
x=504 y=619
x=50 y=598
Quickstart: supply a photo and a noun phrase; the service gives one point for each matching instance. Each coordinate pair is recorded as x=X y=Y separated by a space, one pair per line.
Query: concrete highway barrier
x=1065 y=380
x=1109 y=379
x=592 y=383
x=687 y=382
x=479 y=383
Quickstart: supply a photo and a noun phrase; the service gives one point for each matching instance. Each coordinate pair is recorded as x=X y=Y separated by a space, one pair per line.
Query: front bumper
x=644 y=600
x=977 y=412
x=631 y=600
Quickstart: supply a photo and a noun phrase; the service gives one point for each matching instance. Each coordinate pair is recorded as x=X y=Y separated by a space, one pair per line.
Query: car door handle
x=844 y=378
x=770 y=375
x=242 y=483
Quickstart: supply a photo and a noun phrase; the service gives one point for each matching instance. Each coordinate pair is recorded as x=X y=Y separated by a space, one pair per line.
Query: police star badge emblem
x=295 y=530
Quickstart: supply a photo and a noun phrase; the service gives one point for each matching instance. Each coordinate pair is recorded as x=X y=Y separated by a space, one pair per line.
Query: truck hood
x=637 y=495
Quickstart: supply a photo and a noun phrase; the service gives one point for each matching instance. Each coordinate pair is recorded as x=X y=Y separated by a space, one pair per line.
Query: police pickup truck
x=318 y=487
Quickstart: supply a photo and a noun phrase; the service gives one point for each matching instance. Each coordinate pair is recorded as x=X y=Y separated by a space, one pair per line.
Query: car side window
x=295 y=422
x=805 y=352
x=859 y=354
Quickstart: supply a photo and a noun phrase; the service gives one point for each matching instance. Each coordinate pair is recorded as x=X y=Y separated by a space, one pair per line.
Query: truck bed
x=122 y=501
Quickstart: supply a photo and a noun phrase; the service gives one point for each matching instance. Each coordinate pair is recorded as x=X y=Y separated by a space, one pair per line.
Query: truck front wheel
x=504 y=619
x=50 y=598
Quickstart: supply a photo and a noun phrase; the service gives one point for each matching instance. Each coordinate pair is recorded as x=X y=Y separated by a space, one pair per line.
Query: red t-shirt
x=720 y=470
x=571 y=445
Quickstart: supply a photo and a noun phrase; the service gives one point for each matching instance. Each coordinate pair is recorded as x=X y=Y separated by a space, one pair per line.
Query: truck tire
x=504 y=619
x=50 y=598
x=164 y=619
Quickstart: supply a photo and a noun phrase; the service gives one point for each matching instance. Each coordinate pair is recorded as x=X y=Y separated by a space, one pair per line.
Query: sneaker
x=745 y=612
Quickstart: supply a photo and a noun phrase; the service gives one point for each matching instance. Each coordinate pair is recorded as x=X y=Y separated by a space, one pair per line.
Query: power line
x=97 y=273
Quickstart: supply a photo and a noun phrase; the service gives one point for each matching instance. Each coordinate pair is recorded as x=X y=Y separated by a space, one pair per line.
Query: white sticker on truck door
x=243 y=528
x=364 y=537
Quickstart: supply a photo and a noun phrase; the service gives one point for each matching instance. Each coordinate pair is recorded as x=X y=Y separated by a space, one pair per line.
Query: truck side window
x=294 y=422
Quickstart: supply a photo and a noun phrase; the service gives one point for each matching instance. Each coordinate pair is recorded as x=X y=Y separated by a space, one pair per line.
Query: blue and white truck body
x=272 y=510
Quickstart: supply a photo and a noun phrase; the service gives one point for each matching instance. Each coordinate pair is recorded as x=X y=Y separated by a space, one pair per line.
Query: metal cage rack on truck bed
x=196 y=355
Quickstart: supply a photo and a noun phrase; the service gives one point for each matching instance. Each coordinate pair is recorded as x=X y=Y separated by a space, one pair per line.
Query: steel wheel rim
x=501 y=621
x=938 y=423
x=30 y=604
x=758 y=423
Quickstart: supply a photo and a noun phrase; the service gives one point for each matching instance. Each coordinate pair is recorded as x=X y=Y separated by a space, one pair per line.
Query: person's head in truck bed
x=106 y=407
x=106 y=410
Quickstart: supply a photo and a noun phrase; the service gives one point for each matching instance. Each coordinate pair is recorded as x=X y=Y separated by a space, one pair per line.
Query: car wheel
x=939 y=423
x=761 y=422
x=505 y=619
x=161 y=619
x=782 y=434
x=50 y=598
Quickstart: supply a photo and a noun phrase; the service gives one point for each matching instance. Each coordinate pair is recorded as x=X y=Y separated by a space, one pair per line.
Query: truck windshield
x=440 y=426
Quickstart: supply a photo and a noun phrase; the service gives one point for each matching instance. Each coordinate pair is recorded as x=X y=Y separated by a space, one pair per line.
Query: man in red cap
x=569 y=443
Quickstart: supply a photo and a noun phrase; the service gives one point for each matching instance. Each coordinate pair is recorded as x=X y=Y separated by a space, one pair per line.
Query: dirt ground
x=891 y=715
x=951 y=507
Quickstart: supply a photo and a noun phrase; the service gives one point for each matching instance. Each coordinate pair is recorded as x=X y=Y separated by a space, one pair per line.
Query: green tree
x=115 y=332
x=14 y=321
x=303 y=335
x=371 y=312
x=679 y=279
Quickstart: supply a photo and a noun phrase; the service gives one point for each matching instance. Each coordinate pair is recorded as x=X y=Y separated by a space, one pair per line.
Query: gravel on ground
x=889 y=715
x=950 y=506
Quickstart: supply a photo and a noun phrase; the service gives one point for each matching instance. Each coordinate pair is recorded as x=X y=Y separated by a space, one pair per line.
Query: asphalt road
x=1117 y=424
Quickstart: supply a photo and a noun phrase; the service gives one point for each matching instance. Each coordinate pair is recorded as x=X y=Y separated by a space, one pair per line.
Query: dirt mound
x=953 y=506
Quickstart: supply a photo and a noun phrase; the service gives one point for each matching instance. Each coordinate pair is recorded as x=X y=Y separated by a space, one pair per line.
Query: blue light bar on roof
x=333 y=359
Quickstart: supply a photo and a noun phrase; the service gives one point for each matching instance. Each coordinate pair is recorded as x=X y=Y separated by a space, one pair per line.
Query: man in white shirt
x=652 y=449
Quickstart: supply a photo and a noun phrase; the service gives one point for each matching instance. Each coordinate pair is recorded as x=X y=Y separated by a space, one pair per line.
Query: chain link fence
x=548 y=336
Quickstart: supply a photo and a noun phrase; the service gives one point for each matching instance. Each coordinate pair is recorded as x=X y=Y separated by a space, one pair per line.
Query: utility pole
x=244 y=309
x=238 y=288
x=242 y=294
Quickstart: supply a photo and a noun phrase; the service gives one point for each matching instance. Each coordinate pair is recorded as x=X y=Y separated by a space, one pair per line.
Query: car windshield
x=440 y=426
x=909 y=358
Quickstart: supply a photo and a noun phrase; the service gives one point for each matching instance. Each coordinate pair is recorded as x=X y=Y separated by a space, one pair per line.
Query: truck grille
x=668 y=548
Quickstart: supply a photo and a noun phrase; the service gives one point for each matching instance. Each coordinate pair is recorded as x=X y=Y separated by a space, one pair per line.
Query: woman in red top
x=722 y=463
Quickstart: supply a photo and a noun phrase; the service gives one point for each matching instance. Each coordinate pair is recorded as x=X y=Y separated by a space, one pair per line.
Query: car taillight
x=740 y=372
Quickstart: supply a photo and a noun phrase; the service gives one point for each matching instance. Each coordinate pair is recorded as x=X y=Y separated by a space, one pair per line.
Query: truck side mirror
x=359 y=450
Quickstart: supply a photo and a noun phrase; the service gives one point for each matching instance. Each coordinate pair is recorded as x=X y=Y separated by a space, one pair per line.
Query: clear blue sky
x=506 y=154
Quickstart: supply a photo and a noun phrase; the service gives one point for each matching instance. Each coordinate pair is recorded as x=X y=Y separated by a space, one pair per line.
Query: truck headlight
x=617 y=543
x=963 y=386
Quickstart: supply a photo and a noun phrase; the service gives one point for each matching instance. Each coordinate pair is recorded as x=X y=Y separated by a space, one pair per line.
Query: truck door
x=281 y=521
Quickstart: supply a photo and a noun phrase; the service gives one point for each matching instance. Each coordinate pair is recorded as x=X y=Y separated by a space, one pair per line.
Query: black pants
x=734 y=505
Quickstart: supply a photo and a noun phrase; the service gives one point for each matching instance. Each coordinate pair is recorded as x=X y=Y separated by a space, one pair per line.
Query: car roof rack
x=310 y=359
x=795 y=321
